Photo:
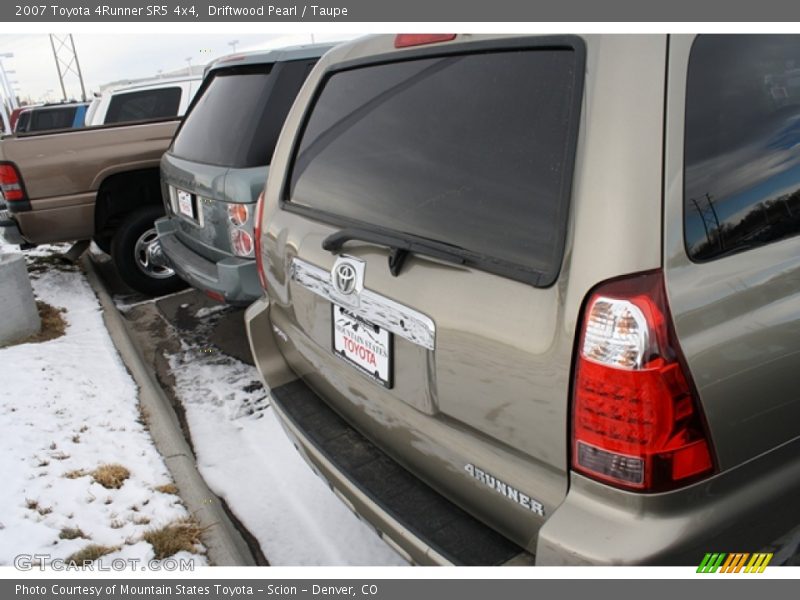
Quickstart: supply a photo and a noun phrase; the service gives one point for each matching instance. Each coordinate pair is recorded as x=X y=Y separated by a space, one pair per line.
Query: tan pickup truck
x=98 y=183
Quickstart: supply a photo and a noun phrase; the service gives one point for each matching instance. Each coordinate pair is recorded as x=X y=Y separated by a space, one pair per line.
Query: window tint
x=470 y=150
x=146 y=104
x=52 y=118
x=742 y=163
x=23 y=121
x=238 y=114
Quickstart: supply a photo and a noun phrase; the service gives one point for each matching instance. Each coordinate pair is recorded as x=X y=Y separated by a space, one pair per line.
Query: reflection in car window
x=238 y=114
x=463 y=150
x=742 y=143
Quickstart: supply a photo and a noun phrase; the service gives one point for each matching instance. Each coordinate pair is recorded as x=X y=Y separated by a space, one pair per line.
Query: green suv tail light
x=636 y=421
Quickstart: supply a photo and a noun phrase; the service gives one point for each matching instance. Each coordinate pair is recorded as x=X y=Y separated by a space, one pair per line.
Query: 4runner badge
x=501 y=487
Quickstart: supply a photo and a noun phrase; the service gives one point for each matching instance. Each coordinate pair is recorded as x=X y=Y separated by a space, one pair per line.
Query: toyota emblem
x=344 y=278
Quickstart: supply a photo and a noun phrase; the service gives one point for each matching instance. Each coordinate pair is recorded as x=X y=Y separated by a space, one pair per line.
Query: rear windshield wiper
x=400 y=245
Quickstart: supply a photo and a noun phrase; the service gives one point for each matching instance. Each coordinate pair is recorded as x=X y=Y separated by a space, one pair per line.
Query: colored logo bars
x=734 y=563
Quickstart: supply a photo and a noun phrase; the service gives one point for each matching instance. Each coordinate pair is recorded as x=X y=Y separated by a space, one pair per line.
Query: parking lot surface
x=198 y=350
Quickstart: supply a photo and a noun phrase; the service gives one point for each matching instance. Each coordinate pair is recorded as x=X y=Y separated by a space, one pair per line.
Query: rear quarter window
x=742 y=163
x=238 y=113
x=23 y=122
x=143 y=105
x=473 y=150
x=52 y=118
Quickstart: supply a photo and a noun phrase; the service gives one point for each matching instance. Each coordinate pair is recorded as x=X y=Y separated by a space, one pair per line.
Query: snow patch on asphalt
x=68 y=406
x=246 y=458
x=209 y=310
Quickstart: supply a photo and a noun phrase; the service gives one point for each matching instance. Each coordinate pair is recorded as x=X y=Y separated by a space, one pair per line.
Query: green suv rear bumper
x=235 y=279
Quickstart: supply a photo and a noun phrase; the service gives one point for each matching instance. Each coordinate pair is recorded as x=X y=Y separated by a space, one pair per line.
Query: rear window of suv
x=742 y=163
x=238 y=113
x=470 y=150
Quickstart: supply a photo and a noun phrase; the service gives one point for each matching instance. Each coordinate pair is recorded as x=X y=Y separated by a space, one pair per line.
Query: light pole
x=8 y=95
x=14 y=91
x=4 y=80
x=233 y=44
x=189 y=62
x=4 y=117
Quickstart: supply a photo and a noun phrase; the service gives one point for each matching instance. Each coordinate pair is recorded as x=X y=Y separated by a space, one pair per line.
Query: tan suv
x=535 y=299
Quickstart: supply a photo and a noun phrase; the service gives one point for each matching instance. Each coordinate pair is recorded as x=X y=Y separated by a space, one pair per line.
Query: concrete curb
x=225 y=545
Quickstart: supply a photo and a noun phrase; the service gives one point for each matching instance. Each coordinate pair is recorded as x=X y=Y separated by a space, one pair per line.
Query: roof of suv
x=274 y=55
x=150 y=83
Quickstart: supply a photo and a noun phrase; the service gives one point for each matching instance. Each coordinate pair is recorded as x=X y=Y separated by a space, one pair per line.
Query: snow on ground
x=68 y=406
x=245 y=457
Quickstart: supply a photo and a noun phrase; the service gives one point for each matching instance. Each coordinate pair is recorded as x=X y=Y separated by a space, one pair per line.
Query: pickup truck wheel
x=137 y=255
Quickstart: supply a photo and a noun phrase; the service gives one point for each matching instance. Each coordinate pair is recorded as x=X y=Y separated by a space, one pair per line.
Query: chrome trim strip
x=395 y=317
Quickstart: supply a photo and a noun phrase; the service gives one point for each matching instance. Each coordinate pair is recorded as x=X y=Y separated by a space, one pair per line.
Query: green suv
x=537 y=299
x=214 y=170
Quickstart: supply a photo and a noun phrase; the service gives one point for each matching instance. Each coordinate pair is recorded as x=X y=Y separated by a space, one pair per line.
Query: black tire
x=130 y=261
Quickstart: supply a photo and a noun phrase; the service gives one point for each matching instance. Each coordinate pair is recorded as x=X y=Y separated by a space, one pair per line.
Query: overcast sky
x=106 y=58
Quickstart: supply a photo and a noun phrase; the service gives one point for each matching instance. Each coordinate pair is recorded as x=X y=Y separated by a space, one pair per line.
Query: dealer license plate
x=185 y=203
x=365 y=346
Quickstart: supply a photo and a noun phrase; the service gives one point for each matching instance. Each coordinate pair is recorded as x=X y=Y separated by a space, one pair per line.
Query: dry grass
x=77 y=473
x=175 y=537
x=144 y=415
x=72 y=533
x=89 y=554
x=40 y=264
x=53 y=324
x=111 y=476
x=168 y=488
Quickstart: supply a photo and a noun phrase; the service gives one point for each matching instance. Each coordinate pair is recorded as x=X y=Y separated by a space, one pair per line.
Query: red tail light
x=636 y=421
x=11 y=183
x=406 y=40
x=257 y=235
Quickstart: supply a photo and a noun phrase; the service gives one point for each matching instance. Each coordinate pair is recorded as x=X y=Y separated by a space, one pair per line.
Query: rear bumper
x=235 y=279
x=421 y=525
x=9 y=230
x=52 y=225
x=751 y=508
